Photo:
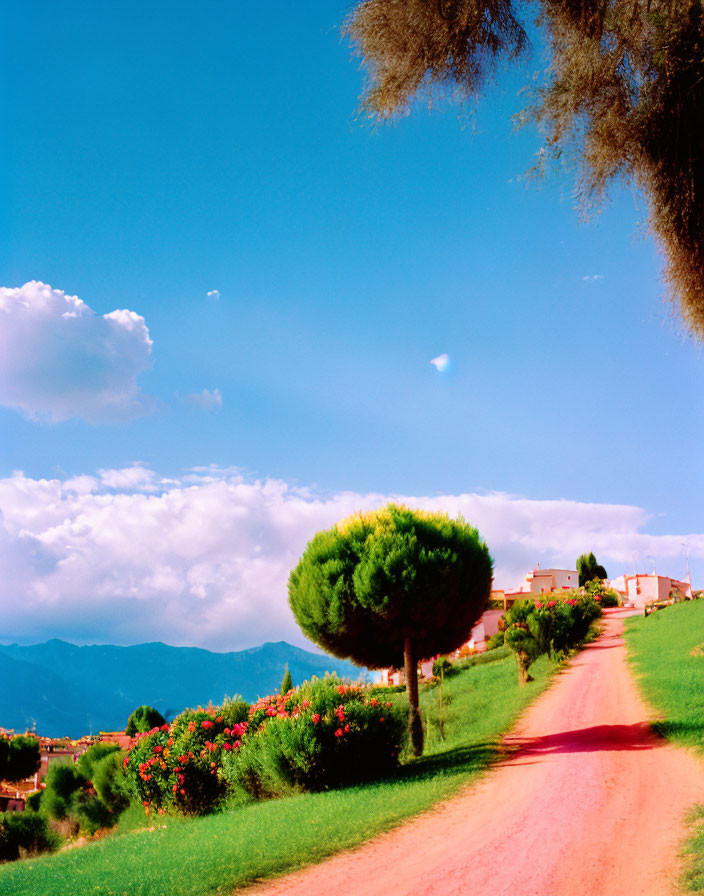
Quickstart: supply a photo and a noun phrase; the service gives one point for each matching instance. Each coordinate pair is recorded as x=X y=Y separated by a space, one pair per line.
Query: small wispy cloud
x=441 y=363
x=214 y=294
x=593 y=277
x=207 y=400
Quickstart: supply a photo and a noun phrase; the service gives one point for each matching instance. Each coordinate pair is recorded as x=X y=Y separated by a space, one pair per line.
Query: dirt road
x=590 y=803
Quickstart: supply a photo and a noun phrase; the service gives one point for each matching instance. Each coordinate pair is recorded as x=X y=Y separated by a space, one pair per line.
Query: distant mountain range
x=70 y=691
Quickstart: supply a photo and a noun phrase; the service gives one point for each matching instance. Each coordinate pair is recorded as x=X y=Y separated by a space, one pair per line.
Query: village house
x=640 y=589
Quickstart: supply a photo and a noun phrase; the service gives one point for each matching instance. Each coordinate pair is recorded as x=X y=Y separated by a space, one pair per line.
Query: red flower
x=381 y=719
x=165 y=727
x=316 y=718
x=206 y=723
x=227 y=746
x=347 y=729
x=271 y=711
x=552 y=603
x=338 y=733
x=389 y=705
x=158 y=748
x=306 y=704
x=175 y=788
x=538 y=605
x=191 y=726
x=340 y=713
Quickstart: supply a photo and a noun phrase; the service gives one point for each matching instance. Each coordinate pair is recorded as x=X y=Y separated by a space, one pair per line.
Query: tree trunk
x=415 y=724
x=523 y=666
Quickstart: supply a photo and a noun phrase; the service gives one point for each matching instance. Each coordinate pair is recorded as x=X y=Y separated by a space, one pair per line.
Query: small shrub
x=110 y=783
x=88 y=761
x=442 y=667
x=25 y=833
x=495 y=641
x=63 y=784
x=606 y=597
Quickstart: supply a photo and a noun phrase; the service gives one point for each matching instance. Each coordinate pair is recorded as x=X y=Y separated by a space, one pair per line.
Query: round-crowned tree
x=392 y=587
x=142 y=719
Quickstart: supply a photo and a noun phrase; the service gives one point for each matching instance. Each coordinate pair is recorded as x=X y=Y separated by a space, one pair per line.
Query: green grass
x=258 y=840
x=672 y=680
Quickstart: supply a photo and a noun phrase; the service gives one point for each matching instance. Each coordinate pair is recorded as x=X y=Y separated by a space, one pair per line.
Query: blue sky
x=151 y=155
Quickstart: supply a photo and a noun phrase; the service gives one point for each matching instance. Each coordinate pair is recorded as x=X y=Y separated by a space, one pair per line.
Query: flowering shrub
x=607 y=597
x=323 y=734
x=179 y=765
x=549 y=624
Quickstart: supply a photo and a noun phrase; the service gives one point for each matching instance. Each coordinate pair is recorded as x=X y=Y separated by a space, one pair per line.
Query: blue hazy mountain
x=67 y=690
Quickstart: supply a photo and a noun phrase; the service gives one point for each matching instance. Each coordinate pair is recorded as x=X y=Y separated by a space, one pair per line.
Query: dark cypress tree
x=286 y=681
x=588 y=569
x=391 y=588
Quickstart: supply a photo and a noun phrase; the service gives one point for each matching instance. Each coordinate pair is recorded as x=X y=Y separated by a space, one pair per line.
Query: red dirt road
x=590 y=803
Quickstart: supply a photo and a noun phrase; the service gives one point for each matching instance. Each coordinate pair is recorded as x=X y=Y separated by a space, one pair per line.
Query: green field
x=671 y=679
x=257 y=840
x=667 y=654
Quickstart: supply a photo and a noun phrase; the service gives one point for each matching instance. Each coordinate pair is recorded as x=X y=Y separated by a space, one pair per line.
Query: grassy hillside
x=667 y=654
x=660 y=649
x=247 y=842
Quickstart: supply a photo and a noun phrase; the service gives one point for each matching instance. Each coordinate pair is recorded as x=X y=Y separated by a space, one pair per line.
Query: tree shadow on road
x=595 y=739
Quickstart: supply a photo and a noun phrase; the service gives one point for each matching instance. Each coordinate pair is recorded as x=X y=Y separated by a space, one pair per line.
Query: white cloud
x=137 y=477
x=127 y=556
x=593 y=277
x=441 y=363
x=213 y=294
x=59 y=360
x=207 y=400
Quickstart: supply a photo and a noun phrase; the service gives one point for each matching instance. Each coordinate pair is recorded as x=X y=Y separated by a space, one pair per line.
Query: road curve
x=587 y=802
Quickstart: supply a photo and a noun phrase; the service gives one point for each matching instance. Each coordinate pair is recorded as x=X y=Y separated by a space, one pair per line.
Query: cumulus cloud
x=59 y=360
x=127 y=556
x=206 y=400
x=213 y=294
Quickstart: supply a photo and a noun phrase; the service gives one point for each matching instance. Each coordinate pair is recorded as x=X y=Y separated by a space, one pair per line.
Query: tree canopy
x=623 y=98
x=392 y=587
x=588 y=569
x=144 y=718
x=19 y=757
